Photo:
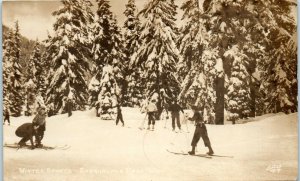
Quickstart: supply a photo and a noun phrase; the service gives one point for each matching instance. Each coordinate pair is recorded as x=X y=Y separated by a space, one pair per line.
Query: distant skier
x=151 y=111
x=69 y=107
x=6 y=116
x=39 y=125
x=175 y=109
x=119 y=115
x=26 y=132
x=200 y=131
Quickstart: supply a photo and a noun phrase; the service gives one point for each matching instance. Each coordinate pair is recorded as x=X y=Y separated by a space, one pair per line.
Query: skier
x=26 y=132
x=151 y=110
x=6 y=116
x=39 y=125
x=69 y=107
x=200 y=131
x=119 y=111
x=174 y=109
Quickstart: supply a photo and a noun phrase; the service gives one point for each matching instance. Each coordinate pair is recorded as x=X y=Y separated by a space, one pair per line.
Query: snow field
x=100 y=150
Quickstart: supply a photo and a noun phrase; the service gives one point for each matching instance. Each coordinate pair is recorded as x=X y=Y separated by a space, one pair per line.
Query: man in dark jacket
x=26 y=132
x=69 y=106
x=175 y=109
x=119 y=115
x=6 y=116
x=200 y=131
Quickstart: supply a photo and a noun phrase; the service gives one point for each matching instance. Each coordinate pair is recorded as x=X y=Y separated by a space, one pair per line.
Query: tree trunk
x=219 y=107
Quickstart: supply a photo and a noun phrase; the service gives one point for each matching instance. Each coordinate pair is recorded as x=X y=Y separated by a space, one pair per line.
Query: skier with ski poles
x=175 y=109
x=151 y=111
x=200 y=131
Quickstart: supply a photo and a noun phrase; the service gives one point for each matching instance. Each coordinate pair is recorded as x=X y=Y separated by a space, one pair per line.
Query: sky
x=35 y=16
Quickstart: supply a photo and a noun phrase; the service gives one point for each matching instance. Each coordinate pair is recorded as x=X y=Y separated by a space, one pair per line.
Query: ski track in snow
x=100 y=150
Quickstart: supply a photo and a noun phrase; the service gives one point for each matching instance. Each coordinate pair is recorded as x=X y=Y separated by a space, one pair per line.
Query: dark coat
x=26 y=130
x=175 y=108
x=198 y=118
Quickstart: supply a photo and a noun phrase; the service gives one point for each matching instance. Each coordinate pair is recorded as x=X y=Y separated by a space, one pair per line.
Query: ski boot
x=152 y=128
x=210 y=152
x=39 y=145
x=192 y=152
x=148 y=127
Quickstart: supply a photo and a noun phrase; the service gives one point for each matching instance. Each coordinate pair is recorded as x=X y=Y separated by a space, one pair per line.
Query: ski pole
x=143 y=122
x=186 y=122
x=166 y=121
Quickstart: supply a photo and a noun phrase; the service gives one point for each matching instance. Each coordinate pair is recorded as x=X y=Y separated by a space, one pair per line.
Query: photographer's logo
x=274 y=168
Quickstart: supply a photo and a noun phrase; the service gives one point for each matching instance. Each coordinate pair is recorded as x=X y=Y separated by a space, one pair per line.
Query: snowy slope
x=100 y=150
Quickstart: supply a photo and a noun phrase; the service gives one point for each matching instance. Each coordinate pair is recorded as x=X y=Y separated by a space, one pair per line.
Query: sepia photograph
x=149 y=90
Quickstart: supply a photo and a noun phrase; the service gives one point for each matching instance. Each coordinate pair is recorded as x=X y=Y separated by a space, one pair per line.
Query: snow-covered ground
x=265 y=149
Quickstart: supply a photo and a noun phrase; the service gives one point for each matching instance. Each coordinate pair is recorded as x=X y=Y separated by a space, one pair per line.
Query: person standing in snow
x=119 y=115
x=39 y=125
x=69 y=106
x=6 y=116
x=175 y=109
x=200 y=131
x=151 y=111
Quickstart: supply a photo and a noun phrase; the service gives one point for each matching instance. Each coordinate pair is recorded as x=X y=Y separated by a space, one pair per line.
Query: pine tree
x=107 y=51
x=279 y=81
x=16 y=96
x=109 y=91
x=70 y=58
x=8 y=54
x=40 y=72
x=192 y=36
x=229 y=24
x=35 y=79
x=131 y=39
x=158 y=53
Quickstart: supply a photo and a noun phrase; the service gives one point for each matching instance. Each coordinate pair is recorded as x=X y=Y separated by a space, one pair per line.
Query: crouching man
x=26 y=132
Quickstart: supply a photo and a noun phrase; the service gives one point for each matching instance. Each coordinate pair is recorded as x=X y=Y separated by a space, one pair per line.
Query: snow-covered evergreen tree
x=35 y=79
x=132 y=41
x=70 y=58
x=8 y=55
x=279 y=80
x=107 y=51
x=109 y=91
x=16 y=95
x=192 y=37
x=158 y=53
x=41 y=70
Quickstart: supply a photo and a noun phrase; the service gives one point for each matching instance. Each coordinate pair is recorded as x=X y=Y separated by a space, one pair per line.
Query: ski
x=44 y=147
x=183 y=153
x=225 y=156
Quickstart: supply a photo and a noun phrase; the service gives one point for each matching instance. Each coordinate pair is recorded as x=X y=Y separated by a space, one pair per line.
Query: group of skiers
x=175 y=108
x=38 y=126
